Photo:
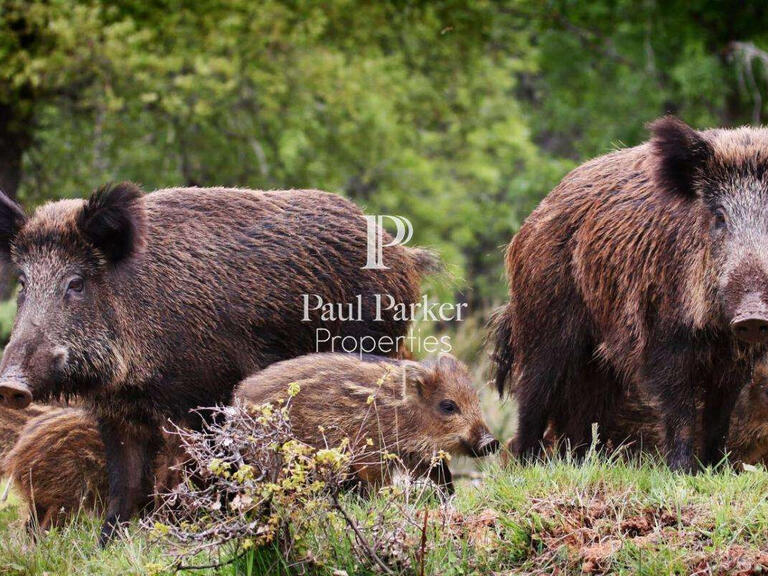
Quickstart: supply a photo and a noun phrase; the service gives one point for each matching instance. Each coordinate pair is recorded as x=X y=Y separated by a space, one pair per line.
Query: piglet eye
x=75 y=284
x=448 y=407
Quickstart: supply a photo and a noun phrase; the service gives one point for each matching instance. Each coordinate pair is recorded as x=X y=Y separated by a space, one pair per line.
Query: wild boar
x=151 y=305
x=58 y=466
x=647 y=267
x=410 y=409
x=12 y=421
x=748 y=438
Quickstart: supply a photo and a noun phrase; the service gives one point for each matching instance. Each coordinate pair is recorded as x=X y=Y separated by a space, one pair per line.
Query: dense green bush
x=459 y=115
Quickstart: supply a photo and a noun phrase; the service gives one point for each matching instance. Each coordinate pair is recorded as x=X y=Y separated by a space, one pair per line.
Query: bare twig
x=423 y=547
x=178 y=567
x=361 y=540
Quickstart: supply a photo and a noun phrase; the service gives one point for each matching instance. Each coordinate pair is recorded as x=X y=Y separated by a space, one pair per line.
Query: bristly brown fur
x=57 y=466
x=13 y=421
x=186 y=292
x=638 y=425
x=378 y=404
x=426 y=261
x=748 y=438
x=503 y=355
x=628 y=274
x=57 y=463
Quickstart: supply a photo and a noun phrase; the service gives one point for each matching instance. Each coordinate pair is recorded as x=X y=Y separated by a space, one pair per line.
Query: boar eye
x=448 y=407
x=720 y=221
x=75 y=285
x=22 y=282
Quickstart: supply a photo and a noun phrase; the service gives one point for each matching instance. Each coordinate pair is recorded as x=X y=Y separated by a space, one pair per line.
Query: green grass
x=601 y=516
x=7 y=315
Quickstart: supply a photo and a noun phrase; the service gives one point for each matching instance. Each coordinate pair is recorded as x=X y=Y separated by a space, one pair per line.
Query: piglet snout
x=486 y=446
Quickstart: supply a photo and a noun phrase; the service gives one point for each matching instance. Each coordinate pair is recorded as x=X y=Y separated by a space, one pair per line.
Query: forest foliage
x=459 y=115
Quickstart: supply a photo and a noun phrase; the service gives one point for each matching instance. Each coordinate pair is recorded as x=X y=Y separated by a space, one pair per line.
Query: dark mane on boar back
x=644 y=269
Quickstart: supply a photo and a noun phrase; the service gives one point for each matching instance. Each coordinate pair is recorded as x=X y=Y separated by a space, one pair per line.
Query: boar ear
x=680 y=153
x=12 y=218
x=418 y=380
x=448 y=362
x=113 y=220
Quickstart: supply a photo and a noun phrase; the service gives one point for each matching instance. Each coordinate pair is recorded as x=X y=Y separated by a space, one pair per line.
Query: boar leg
x=594 y=395
x=129 y=455
x=719 y=403
x=441 y=475
x=553 y=382
x=669 y=378
x=36 y=520
x=533 y=412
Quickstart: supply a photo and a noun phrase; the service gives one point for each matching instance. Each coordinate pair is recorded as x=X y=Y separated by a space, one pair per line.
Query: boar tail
x=502 y=357
x=425 y=261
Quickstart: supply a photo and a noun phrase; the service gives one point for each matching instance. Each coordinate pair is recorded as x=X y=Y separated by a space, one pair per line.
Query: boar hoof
x=108 y=530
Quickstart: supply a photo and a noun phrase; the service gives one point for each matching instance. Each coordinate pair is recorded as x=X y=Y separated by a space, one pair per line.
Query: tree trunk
x=15 y=131
x=14 y=140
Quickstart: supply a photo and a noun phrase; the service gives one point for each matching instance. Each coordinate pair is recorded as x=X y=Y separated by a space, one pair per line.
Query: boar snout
x=753 y=330
x=750 y=322
x=486 y=446
x=14 y=391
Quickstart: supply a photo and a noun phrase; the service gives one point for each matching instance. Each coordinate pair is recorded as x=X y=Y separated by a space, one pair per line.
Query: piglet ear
x=12 y=218
x=113 y=220
x=448 y=362
x=680 y=153
x=418 y=380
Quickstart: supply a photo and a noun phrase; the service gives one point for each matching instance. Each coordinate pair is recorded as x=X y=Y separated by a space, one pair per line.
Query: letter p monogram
x=403 y=233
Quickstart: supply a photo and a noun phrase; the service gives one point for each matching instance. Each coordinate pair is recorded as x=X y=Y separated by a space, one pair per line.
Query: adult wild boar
x=149 y=306
x=646 y=266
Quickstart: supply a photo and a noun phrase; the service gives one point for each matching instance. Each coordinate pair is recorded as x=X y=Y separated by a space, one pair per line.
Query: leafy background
x=459 y=115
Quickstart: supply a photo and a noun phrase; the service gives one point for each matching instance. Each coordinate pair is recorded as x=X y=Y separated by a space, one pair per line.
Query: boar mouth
x=17 y=391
